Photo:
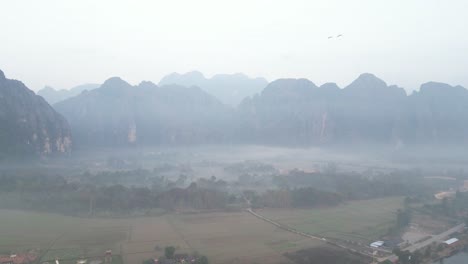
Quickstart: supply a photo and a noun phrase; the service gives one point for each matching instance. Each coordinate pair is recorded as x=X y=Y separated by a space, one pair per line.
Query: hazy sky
x=66 y=43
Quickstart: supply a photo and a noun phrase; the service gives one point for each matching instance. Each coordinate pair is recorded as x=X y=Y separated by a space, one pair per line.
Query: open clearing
x=236 y=237
x=364 y=220
x=224 y=237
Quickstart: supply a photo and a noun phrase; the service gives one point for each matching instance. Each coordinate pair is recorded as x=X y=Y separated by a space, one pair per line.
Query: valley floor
x=234 y=237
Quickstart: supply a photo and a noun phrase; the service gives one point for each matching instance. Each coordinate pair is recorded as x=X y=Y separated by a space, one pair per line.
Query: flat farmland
x=364 y=220
x=224 y=237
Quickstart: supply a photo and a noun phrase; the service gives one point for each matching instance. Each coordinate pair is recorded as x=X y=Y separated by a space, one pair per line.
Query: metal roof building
x=377 y=244
x=451 y=241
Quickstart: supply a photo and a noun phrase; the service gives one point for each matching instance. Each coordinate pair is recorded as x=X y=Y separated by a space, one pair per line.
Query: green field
x=364 y=220
x=224 y=237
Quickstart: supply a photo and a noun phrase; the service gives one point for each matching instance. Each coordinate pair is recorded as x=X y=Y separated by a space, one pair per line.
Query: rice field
x=224 y=237
x=364 y=220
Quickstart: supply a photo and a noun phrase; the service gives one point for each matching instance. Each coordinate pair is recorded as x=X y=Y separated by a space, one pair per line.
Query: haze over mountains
x=288 y=112
x=230 y=89
x=53 y=96
x=118 y=114
x=28 y=124
x=366 y=111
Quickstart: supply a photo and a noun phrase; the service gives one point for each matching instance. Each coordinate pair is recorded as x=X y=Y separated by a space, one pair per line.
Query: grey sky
x=66 y=43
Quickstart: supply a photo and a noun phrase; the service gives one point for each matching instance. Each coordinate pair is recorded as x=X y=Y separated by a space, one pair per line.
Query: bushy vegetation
x=365 y=185
x=299 y=197
x=58 y=194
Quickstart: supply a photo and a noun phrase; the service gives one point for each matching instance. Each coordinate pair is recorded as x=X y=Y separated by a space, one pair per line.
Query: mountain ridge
x=230 y=89
x=118 y=113
x=29 y=126
x=53 y=96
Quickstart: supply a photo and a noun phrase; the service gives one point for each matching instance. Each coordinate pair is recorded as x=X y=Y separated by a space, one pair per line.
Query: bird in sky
x=339 y=36
x=330 y=37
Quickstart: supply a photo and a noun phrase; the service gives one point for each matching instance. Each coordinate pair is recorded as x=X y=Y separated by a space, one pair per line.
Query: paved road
x=436 y=238
x=289 y=229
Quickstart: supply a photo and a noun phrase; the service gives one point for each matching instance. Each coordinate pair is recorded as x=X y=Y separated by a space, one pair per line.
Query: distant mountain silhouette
x=230 y=89
x=289 y=112
x=297 y=112
x=28 y=124
x=53 y=96
x=119 y=114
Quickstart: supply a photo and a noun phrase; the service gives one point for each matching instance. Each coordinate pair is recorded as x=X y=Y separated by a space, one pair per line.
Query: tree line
x=57 y=194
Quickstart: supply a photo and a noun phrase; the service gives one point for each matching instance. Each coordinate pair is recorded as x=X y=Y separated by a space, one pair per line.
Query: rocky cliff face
x=437 y=114
x=28 y=124
x=119 y=114
x=297 y=112
x=287 y=112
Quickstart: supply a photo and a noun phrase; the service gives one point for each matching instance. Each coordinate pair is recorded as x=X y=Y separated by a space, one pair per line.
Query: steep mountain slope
x=297 y=112
x=293 y=112
x=119 y=114
x=53 y=96
x=230 y=89
x=369 y=110
x=28 y=124
x=437 y=114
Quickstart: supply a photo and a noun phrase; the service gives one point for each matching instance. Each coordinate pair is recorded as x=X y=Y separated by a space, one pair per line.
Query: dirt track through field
x=289 y=229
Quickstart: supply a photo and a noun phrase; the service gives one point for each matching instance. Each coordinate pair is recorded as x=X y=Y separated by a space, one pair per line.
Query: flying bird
x=330 y=37
x=339 y=36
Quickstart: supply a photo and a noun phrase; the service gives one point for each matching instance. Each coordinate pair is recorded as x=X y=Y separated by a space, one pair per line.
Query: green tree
x=404 y=257
x=169 y=252
x=403 y=218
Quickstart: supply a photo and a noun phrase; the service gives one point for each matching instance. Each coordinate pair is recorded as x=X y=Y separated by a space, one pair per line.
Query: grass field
x=223 y=237
x=364 y=220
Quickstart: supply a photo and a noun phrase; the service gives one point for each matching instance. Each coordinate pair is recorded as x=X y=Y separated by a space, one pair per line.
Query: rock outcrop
x=28 y=124
x=119 y=114
x=297 y=112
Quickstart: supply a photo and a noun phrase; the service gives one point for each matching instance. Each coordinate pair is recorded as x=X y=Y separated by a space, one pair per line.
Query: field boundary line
x=52 y=243
x=292 y=230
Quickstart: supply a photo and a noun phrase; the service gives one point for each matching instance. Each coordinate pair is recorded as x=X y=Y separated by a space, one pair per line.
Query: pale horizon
x=65 y=44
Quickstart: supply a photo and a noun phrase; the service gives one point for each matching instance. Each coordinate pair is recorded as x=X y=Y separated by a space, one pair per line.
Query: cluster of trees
x=135 y=177
x=406 y=257
x=299 y=197
x=57 y=194
x=366 y=185
x=212 y=183
x=403 y=219
x=452 y=207
x=171 y=257
x=193 y=197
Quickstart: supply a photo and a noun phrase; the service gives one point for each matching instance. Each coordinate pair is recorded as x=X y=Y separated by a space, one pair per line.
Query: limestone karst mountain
x=28 y=124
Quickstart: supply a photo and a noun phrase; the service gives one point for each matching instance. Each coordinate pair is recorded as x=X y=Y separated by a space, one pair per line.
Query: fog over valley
x=233 y=132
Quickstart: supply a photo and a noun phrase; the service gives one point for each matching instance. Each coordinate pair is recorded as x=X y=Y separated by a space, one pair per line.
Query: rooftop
x=451 y=241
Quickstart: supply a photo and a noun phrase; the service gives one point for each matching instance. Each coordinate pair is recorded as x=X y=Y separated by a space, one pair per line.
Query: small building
x=451 y=242
x=377 y=244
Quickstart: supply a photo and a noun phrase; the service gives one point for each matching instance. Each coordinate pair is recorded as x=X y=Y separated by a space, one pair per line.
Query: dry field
x=363 y=221
x=223 y=237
